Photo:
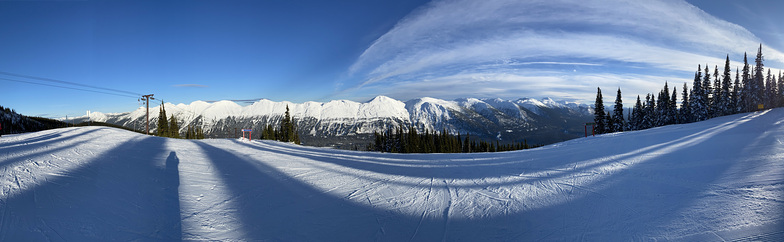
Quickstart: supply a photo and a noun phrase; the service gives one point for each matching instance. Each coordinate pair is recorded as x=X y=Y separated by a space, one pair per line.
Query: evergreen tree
x=599 y=118
x=636 y=119
x=649 y=115
x=716 y=94
x=174 y=128
x=745 y=94
x=413 y=140
x=619 y=123
x=288 y=131
x=697 y=102
x=735 y=105
x=285 y=127
x=662 y=111
x=770 y=91
x=268 y=132
x=673 y=109
x=294 y=133
x=780 y=89
x=199 y=133
x=609 y=123
x=163 y=123
x=725 y=105
x=706 y=93
x=757 y=83
x=188 y=133
x=685 y=112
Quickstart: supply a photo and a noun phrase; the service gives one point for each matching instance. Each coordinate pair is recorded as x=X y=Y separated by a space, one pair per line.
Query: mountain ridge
x=488 y=118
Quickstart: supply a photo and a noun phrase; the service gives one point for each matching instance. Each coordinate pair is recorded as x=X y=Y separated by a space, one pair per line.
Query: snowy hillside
x=541 y=122
x=721 y=179
x=13 y=123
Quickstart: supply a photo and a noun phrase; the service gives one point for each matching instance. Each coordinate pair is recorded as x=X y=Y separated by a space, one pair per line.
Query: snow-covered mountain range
x=538 y=121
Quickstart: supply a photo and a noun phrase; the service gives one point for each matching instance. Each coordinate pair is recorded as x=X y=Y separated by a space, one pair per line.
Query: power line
x=72 y=88
x=69 y=83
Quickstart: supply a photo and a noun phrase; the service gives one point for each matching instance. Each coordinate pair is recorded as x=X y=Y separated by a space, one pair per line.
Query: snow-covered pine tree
x=661 y=107
x=685 y=112
x=636 y=120
x=716 y=94
x=599 y=114
x=619 y=123
x=649 y=115
x=758 y=85
x=609 y=123
x=697 y=102
x=745 y=94
x=770 y=91
x=780 y=89
x=707 y=92
x=735 y=104
x=163 y=123
x=726 y=83
x=673 y=109
x=174 y=128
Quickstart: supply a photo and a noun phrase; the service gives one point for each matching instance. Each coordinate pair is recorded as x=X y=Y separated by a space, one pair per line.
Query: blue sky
x=183 y=51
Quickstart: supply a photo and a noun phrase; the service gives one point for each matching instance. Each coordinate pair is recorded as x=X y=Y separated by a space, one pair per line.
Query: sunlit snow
x=721 y=179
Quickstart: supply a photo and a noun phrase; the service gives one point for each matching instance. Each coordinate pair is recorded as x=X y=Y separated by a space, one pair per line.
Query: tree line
x=751 y=90
x=12 y=122
x=401 y=140
x=286 y=132
x=170 y=128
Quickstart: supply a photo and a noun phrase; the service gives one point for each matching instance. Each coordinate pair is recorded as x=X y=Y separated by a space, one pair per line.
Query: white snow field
x=721 y=179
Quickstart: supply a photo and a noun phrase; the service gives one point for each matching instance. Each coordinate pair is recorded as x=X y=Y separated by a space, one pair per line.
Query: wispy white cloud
x=563 y=85
x=505 y=47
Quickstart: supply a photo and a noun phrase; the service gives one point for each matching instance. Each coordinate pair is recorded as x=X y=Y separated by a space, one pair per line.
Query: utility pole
x=146 y=99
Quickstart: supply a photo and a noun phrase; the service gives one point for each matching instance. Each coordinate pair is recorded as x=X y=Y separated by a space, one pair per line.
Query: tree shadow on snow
x=127 y=194
x=660 y=197
x=39 y=146
x=641 y=195
x=273 y=206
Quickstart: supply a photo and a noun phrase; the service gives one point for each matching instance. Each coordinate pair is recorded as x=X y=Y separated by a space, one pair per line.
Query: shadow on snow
x=121 y=196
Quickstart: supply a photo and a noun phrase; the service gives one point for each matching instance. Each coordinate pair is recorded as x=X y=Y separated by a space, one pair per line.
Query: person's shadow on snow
x=171 y=179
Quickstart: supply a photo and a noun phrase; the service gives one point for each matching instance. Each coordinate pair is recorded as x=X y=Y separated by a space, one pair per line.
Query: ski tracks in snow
x=659 y=183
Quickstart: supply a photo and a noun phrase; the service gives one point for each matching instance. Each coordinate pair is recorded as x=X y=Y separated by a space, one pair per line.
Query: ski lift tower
x=146 y=99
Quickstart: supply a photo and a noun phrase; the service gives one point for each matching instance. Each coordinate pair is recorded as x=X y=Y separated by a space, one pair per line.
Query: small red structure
x=250 y=133
x=593 y=129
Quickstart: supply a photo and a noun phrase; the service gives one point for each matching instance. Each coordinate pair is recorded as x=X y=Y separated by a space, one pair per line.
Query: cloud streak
x=510 y=49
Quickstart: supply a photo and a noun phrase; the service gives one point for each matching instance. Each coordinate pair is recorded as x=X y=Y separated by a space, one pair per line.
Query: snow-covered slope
x=547 y=121
x=721 y=179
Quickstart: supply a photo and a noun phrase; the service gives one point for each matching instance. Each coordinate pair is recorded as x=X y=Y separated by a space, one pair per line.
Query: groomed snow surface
x=722 y=179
